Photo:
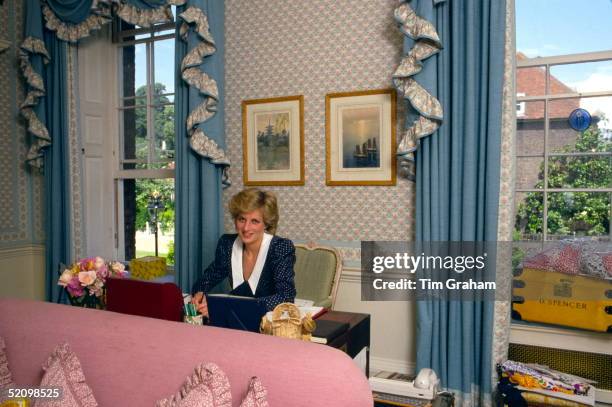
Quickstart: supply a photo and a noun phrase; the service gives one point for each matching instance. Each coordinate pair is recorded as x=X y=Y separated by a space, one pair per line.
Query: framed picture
x=273 y=141
x=360 y=137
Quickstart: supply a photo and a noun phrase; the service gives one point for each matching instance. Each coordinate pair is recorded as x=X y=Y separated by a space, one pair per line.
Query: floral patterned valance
x=195 y=19
x=427 y=43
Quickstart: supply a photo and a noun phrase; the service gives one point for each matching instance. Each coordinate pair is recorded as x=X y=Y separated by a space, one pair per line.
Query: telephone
x=427 y=382
x=425 y=385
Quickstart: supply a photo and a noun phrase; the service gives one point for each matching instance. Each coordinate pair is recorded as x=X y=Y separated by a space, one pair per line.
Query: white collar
x=237 y=274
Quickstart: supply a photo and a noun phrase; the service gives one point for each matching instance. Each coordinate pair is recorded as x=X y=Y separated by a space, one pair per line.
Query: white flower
x=65 y=278
x=117 y=267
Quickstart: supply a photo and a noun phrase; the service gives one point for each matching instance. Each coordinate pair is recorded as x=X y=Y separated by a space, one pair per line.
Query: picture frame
x=273 y=141
x=360 y=133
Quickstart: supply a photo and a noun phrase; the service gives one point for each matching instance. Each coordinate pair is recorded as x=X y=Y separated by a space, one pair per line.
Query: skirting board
x=603 y=396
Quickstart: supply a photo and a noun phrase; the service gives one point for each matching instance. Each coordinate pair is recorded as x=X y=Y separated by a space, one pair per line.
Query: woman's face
x=250 y=226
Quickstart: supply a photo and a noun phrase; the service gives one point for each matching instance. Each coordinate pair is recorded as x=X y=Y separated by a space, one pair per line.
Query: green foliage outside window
x=163 y=124
x=569 y=213
x=164 y=133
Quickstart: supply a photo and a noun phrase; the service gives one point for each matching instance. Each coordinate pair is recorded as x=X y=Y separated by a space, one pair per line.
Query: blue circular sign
x=580 y=119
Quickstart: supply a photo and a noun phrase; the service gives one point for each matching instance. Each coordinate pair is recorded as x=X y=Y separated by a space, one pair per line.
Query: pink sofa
x=134 y=361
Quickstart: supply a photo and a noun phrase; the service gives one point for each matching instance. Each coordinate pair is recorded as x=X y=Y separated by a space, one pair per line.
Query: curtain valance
x=426 y=43
x=70 y=20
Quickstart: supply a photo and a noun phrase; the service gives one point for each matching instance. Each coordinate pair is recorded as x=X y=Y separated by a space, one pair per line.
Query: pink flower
x=65 y=278
x=98 y=262
x=87 y=277
x=102 y=271
x=74 y=288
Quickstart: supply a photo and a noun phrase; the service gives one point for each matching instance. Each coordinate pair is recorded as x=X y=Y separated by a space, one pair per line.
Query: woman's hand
x=199 y=300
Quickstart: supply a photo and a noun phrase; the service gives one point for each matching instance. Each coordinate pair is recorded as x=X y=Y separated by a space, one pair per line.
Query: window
x=520 y=106
x=145 y=186
x=564 y=176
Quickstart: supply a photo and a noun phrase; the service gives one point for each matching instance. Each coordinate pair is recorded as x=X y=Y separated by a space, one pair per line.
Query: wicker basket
x=286 y=322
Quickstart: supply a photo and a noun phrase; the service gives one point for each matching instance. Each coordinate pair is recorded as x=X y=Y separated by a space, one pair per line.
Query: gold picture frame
x=360 y=138
x=273 y=141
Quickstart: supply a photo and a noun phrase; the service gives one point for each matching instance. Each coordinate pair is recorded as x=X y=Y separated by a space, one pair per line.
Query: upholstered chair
x=317 y=273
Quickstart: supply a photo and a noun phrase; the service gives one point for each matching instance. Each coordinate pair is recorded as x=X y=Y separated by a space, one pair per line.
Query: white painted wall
x=392 y=342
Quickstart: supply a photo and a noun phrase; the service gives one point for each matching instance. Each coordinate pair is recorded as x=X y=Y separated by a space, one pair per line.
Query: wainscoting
x=22 y=272
x=392 y=325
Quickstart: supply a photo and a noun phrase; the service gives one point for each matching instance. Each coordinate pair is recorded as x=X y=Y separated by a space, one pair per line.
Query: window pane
x=580 y=172
x=530 y=81
x=134 y=101
x=530 y=130
x=528 y=210
x=134 y=70
x=583 y=77
x=164 y=132
x=164 y=66
x=139 y=218
x=163 y=99
x=529 y=172
x=135 y=134
x=578 y=214
x=597 y=138
x=559 y=27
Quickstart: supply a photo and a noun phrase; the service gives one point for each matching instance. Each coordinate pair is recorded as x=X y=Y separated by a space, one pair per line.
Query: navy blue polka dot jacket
x=276 y=284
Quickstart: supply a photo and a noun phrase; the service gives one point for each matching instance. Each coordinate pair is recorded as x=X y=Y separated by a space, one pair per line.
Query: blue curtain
x=147 y=4
x=52 y=113
x=198 y=185
x=56 y=160
x=71 y=11
x=458 y=182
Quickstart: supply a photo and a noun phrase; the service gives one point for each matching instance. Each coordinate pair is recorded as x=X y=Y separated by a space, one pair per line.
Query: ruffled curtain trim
x=207 y=86
x=427 y=43
x=147 y=17
x=74 y=32
x=35 y=90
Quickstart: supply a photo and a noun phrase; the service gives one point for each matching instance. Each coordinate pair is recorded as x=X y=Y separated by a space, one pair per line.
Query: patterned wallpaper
x=20 y=190
x=311 y=48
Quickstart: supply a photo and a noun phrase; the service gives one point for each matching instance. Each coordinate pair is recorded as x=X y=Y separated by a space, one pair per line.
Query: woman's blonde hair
x=251 y=199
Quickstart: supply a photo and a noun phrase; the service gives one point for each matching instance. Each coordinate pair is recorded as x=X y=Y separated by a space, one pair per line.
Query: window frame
x=121 y=174
x=547 y=97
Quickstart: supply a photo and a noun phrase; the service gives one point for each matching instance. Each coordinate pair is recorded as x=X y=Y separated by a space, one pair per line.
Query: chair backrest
x=317 y=273
x=144 y=298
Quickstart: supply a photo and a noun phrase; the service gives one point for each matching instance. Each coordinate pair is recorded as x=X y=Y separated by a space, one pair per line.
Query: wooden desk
x=356 y=338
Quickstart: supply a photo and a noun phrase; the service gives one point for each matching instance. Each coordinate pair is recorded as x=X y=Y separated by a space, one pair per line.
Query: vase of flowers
x=85 y=281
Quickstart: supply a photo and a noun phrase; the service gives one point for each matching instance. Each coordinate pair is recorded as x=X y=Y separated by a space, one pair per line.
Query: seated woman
x=253 y=262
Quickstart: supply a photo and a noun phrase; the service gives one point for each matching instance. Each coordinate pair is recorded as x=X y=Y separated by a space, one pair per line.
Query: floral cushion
x=6 y=379
x=63 y=370
x=208 y=386
x=256 y=395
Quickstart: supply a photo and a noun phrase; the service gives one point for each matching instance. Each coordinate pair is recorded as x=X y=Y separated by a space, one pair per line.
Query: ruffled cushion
x=6 y=379
x=208 y=386
x=256 y=395
x=63 y=370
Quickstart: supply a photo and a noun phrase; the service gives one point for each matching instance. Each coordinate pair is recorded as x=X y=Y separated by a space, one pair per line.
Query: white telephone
x=428 y=383
x=425 y=385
